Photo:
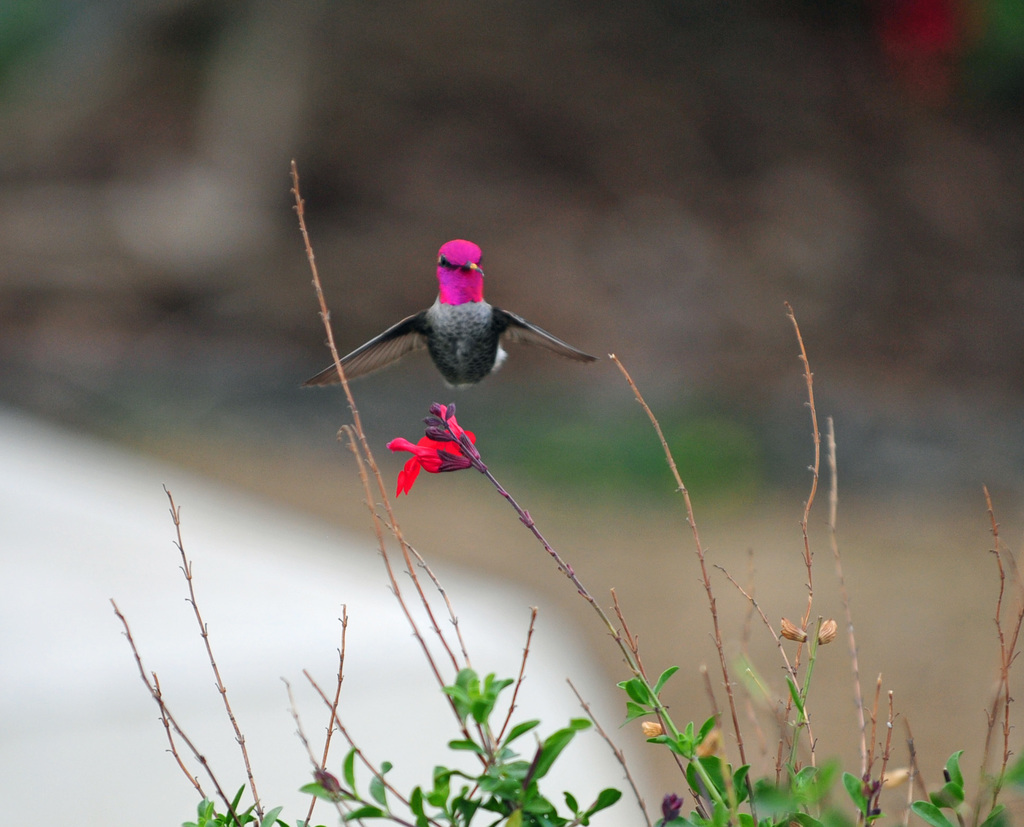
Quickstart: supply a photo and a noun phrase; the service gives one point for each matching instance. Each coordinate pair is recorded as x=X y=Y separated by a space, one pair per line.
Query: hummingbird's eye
x=443 y=262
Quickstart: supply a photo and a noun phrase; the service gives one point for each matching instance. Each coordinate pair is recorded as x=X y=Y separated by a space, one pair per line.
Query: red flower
x=447 y=446
x=433 y=456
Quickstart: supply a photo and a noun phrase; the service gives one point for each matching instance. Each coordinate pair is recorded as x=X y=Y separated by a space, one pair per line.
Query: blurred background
x=651 y=179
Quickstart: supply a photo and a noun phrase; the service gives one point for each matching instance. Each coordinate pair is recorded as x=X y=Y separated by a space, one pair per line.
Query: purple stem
x=470 y=451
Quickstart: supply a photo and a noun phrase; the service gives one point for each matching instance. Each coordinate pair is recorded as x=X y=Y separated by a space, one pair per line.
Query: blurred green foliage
x=716 y=453
x=26 y=26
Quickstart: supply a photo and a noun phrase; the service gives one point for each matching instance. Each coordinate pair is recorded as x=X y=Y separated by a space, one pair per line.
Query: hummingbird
x=462 y=332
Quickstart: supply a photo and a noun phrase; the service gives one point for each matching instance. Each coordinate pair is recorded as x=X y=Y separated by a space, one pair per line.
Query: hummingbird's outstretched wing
x=406 y=336
x=517 y=329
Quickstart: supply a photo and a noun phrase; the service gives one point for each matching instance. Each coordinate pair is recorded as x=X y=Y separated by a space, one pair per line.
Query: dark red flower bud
x=671 y=806
x=327 y=781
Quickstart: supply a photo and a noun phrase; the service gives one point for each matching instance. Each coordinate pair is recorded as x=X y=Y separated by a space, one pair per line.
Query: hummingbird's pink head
x=459 y=276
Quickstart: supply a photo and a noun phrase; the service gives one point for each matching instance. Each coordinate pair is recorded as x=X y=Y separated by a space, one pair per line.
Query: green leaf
x=929 y=813
x=638 y=691
x=810 y=785
x=1014 y=775
x=348 y=769
x=739 y=782
x=313 y=788
x=705 y=728
x=715 y=768
x=364 y=812
x=953 y=768
x=634 y=711
x=997 y=818
x=520 y=729
x=466 y=678
x=378 y=792
x=463 y=691
x=605 y=799
x=681 y=746
x=855 y=789
x=693 y=778
x=951 y=795
x=571 y=803
x=794 y=693
x=539 y=805
x=271 y=817
x=204 y=812
x=472 y=699
x=504 y=754
x=804 y=820
x=465 y=807
x=469 y=746
x=668 y=673
x=493 y=687
x=480 y=709
x=416 y=802
x=554 y=744
x=438 y=797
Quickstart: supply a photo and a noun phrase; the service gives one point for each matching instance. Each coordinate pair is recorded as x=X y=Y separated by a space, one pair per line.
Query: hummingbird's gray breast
x=463 y=341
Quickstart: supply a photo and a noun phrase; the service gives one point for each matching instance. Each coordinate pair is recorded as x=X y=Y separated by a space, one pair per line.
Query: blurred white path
x=80 y=740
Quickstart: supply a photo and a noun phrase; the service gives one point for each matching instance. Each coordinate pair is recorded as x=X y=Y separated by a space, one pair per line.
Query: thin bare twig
x=887 y=750
x=452 y=617
x=748 y=618
x=340 y=805
x=809 y=377
x=165 y=717
x=360 y=449
x=915 y=785
x=619 y=756
x=563 y=565
x=325 y=315
x=632 y=641
x=1007 y=655
x=764 y=619
x=710 y=692
x=833 y=507
x=727 y=680
x=874 y=723
x=365 y=452
x=171 y=724
x=807 y=555
x=745 y=638
x=522 y=675
x=204 y=632
x=366 y=763
x=395 y=587
x=334 y=706
x=717 y=715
